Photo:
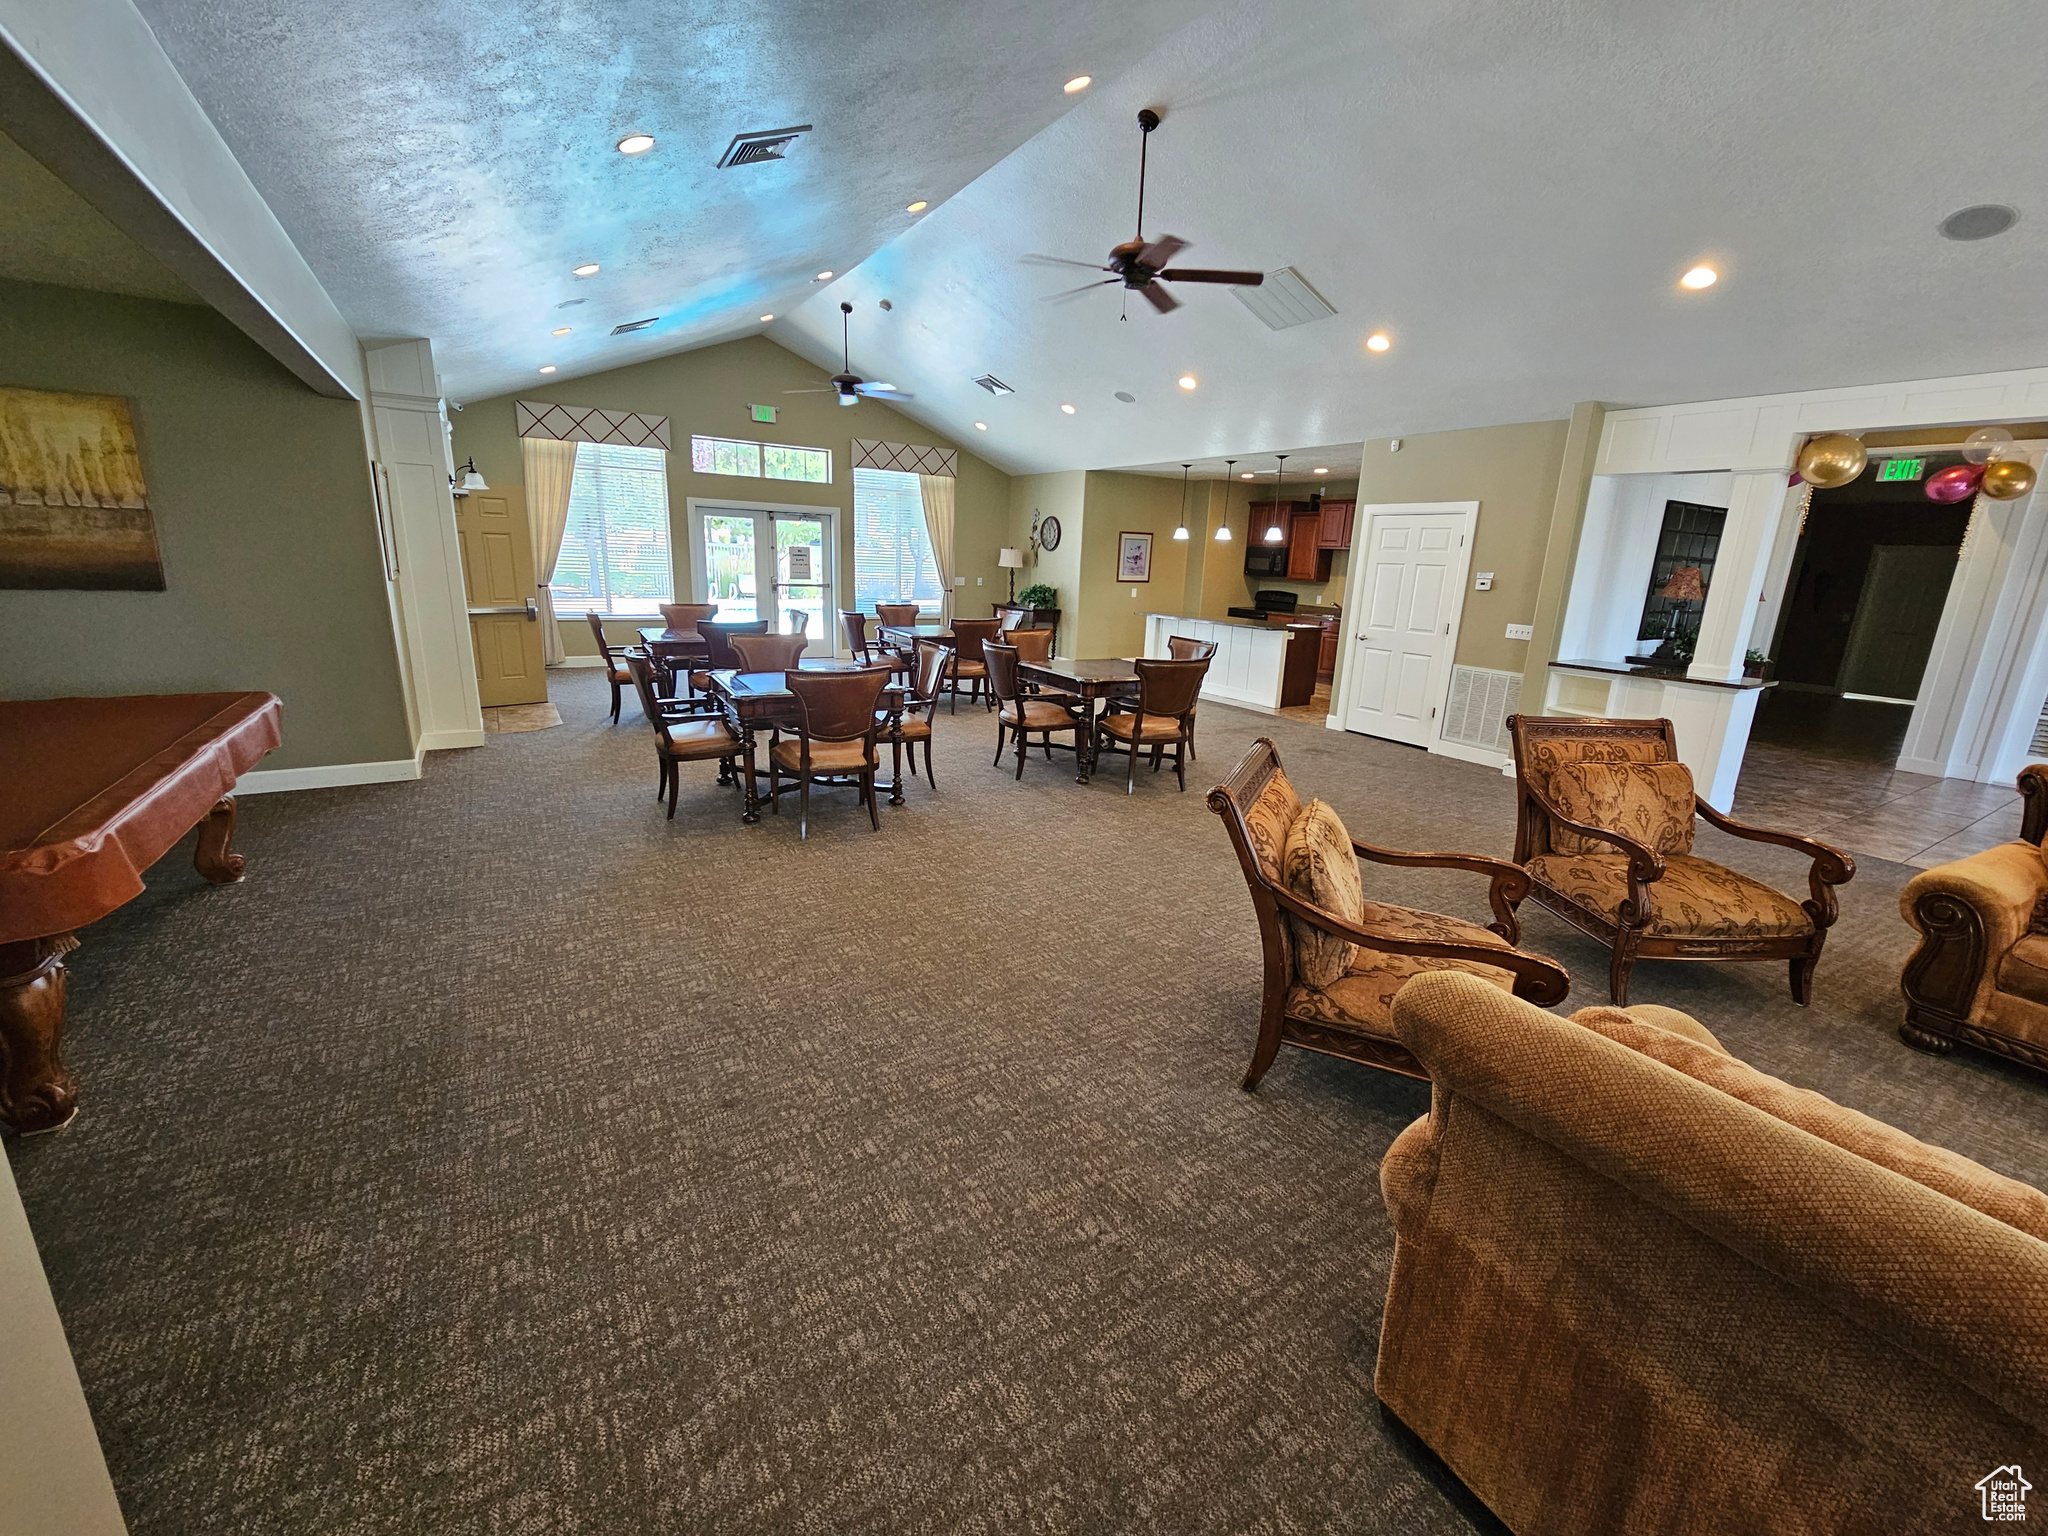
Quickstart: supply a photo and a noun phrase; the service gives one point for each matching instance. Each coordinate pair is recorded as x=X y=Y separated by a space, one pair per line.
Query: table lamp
x=1012 y=561
x=1685 y=586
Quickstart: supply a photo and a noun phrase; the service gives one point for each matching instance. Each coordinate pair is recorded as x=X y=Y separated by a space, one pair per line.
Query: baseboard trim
x=581 y=661
x=1483 y=755
x=270 y=781
x=444 y=741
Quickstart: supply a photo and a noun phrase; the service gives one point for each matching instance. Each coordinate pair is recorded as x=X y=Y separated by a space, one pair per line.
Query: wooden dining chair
x=837 y=724
x=914 y=724
x=1023 y=715
x=686 y=616
x=718 y=652
x=680 y=735
x=896 y=613
x=1036 y=645
x=968 y=665
x=870 y=651
x=614 y=663
x=1163 y=716
x=1187 y=648
x=768 y=653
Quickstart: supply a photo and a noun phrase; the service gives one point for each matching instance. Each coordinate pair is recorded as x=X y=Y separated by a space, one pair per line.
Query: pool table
x=93 y=792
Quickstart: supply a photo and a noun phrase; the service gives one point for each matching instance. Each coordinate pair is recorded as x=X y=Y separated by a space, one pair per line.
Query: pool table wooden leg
x=212 y=858
x=36 y=1090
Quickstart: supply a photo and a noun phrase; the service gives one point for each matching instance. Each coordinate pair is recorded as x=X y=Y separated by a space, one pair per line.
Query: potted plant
x=1755 y=663
x=1040 y=606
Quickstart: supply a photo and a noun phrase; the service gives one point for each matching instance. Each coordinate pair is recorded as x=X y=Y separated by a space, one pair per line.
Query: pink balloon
x=1956 y=483
x=1795 y=478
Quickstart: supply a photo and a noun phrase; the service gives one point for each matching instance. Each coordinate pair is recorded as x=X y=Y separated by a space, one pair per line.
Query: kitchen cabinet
x=1307 y=560
x=1335 y=532
x=1326 y=661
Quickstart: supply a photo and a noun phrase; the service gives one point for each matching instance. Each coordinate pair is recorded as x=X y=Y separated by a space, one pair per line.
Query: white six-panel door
x=1403 y=623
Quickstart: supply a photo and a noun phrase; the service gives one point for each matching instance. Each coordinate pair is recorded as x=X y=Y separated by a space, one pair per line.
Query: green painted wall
x=1062 y=495
x=707 y=392
x=261 y=491
x=1112 y=612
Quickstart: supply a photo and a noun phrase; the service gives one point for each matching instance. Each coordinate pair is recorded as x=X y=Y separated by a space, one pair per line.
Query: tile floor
x=507 y=719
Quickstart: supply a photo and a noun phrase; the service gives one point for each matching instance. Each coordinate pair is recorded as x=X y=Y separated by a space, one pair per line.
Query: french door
x=767 y=562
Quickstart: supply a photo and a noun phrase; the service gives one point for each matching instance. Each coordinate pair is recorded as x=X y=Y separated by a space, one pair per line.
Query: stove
x=1267 y=605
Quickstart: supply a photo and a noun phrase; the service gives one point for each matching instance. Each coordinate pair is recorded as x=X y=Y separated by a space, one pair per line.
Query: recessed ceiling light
x=1078 y=83
x=824 y=276
x=1322 y=469
x=1246 y=475
x=766 y=318
x=1699 y=277
x=981 y=426
x=588 y=269
x=547 y=368
x=562 y=330
x=1068 y=409
x=1188 y=381
x=918 y=207
x=636 y=143
x=1377 y=342
x=1979 y=222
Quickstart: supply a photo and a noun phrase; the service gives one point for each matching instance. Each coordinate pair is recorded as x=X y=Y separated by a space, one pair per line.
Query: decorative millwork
x=905 y=458
x=588 y=424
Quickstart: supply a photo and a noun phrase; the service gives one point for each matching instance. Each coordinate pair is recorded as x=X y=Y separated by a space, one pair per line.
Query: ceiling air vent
x=1284 y=299
x=752 y=148
x=994 y=385
x=634 y=325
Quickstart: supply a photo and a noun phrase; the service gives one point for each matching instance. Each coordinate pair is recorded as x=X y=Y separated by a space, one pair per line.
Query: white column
x=412 y=445
x=1755 y=502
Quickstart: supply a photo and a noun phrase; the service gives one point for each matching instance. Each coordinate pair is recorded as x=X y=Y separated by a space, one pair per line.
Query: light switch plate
x=1521 y=632
x=1483 y=582
x=959 y=581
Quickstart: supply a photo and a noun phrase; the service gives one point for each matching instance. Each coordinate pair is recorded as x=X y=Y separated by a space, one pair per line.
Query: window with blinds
x=892 y=557
x=615 y=549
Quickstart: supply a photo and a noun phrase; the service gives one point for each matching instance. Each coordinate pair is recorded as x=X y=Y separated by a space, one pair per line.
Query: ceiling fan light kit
x=848 y=385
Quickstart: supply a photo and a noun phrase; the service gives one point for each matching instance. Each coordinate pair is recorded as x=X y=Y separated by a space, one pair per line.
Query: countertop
x=1661 y=674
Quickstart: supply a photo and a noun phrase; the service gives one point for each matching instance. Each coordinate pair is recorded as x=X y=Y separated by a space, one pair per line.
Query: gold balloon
x=2007 y=479
x=1827 y=462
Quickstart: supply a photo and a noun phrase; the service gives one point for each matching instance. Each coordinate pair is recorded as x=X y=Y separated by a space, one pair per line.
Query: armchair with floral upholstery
x=1604 y=827
x=1333 y=959
x=1980 y=974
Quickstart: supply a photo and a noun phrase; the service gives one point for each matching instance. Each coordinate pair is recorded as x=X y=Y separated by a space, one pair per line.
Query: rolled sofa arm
x=1968 y=914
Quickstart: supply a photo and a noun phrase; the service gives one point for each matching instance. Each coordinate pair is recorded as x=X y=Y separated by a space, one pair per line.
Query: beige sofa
x=1641 y=1287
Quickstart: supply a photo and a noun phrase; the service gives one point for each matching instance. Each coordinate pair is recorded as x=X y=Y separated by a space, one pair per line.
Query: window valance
x=587 y=424
x=907 y=458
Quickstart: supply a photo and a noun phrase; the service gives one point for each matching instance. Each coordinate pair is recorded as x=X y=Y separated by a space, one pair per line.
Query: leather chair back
x=1185 y=648
x=1002 y=671
x=604 y=646
x=838 y=706
x=768 y=653
x=718 y=652
x=1031 y=644
x=896 y=613
x=1169 y=687
x=968 y=635
x=683 y=616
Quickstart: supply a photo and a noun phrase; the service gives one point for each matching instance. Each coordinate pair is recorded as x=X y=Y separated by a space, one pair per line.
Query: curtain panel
x=937 y=491
x=550 y=473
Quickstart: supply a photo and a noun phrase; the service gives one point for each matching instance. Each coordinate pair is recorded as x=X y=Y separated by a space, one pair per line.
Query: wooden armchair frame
x=1540 y=980
x=1625 y=938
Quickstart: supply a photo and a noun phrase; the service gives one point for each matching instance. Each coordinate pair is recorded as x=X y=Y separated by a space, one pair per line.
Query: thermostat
x=1483 y=582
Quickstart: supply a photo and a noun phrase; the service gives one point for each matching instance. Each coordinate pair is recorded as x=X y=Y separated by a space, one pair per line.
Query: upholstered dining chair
x=680 y=735
x=867 y=650
x=914 y=724
x=1187 y=648
x=1036 y=645
x=968 y=665
x=837 y=722
x=1162 y=716
x=768 y=653
x=719 y=655
x=1604 y=826
x=1335 y=958
x=1024 y=715
x=686 y=615
x=896 y=613
x=614 y=663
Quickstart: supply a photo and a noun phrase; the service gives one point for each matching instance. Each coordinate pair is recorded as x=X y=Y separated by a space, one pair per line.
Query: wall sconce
x=466 y=479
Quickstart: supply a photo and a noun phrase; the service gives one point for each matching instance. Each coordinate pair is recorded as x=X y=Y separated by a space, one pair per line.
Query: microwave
x=1265 y=559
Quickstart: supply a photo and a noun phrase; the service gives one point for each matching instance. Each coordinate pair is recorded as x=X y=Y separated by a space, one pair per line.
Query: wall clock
x=1049 y=533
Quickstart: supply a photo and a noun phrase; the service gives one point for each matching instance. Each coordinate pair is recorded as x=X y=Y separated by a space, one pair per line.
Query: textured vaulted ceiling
x=444 y=163
x=1511 y=191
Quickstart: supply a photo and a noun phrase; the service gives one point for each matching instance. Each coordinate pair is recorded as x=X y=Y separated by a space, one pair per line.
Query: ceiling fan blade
x=1062 y=261
x=822 y=389
x=883 y=391
x=1205 y=275
x=1159 y=298
x=1161 y=251
x=1053 y=298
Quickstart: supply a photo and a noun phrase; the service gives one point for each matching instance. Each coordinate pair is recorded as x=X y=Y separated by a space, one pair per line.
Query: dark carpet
x=500 y=1157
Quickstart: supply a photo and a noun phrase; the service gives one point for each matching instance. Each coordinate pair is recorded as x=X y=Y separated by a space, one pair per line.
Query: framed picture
x=74 y=512
x=1134 y=557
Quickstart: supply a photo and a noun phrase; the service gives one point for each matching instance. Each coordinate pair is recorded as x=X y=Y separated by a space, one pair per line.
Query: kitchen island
x=1256 y=665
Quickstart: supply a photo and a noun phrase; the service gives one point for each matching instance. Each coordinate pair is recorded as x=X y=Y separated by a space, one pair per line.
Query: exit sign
x=1900 y=469
x=766 y=415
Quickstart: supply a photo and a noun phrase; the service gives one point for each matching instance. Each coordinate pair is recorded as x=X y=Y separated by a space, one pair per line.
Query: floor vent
x=1285 y=299
x=1480 y=703
x=753 y=148
x=2038 y=748
x=634 y=325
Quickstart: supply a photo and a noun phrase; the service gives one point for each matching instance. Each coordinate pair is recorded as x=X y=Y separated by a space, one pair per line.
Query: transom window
x=892 y=554
x=761 y=461
x=615 y=547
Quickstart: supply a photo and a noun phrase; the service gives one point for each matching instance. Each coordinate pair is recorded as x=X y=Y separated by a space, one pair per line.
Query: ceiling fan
x=1141 y=265
x=848 y=385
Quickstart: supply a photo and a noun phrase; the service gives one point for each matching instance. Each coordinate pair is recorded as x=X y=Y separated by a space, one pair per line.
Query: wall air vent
x=752 y=148
x=1285 y=299
x=634 y=325
x=994 y=385
x=1475 y=714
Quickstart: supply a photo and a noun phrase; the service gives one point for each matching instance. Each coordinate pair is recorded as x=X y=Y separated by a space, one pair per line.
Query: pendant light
x=1277 y=534
x=1223 y=528
x=1180 y=530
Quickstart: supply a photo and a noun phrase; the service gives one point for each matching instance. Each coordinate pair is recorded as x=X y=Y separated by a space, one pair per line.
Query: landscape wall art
x=74 y=509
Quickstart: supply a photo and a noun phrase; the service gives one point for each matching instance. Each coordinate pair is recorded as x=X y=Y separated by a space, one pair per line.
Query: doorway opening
x=760 y=561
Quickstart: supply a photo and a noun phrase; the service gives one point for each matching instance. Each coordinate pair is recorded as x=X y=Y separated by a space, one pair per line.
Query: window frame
x=936 y=607
x=760 y=448
x=584 y=603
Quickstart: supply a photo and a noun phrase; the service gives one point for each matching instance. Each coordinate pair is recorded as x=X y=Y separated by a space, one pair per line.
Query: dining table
x=1088 y=679
x=907 y=635
x=762 y=701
